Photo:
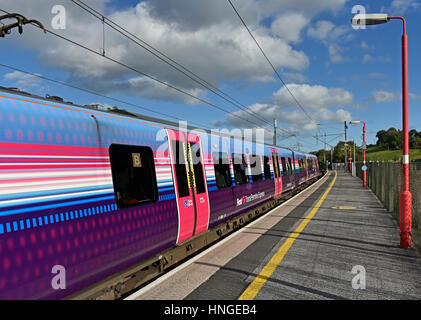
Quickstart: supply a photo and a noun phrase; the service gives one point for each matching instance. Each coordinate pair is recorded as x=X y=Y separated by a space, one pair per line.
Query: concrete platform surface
x=333 y=241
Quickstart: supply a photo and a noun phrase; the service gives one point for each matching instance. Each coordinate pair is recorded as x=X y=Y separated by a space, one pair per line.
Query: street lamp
x=369 y=19
x=405 y=196
x=364 y=168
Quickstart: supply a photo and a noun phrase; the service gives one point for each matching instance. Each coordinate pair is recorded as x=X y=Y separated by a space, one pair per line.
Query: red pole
x=405 y=196
x=365 y=171
x=350 y=160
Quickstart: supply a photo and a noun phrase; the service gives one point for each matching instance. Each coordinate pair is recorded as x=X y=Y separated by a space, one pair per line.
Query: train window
x=256 y=168
x=284 y=167
x=240 y=165
x=301 y=164
x=180 y=165
x=222 y=170
x=266 y=168
x=133 y=173
x=275 y=165
x=197 y=167
x=290 y=168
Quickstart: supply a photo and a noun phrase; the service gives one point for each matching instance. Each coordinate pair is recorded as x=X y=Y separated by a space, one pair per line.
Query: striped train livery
x=96 y=192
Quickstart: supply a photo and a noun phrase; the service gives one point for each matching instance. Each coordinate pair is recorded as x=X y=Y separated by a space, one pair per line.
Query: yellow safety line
x=253 y=289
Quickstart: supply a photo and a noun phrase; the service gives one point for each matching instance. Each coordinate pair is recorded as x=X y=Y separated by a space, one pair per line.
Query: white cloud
x=321 y=103
x=335 y=53
x=293 y=120
x=207 y=38
x=313 y=97
x=413 y=96
x=376 y=75
x=321 y=31
x=385 y=96
x=22 y=80
x=291 y=76
x=367 y=58
x=153 y=90
x=380 y=96
x=366 y=46
x=331 y=36
x=401 y=6
x=289 y=26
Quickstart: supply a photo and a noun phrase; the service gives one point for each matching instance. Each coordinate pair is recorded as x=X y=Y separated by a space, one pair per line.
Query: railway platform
x=334 y=240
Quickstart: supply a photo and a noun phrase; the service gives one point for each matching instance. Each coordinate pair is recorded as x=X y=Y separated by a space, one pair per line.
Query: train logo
x=188 y=203
x=247 y=199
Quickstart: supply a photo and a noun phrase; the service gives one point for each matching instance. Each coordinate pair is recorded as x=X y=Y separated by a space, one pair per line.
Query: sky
x=334 y=72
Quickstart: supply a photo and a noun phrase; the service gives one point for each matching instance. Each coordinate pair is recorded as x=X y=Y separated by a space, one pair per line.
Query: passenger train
x=97 y=191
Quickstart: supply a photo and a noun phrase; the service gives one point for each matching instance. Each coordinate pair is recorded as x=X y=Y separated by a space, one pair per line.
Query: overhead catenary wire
x=270 y=63
x=171 y=62
x=339 y=136
x=157 y=53
x=318 y=139
x=98 y=94
x=147 y=75
x=336 y=129
x=199 y=126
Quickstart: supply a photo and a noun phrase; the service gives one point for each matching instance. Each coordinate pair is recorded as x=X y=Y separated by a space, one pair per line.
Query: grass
x=379 y=154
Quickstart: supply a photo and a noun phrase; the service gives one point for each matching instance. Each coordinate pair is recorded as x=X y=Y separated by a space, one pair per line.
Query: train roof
x=122 y=112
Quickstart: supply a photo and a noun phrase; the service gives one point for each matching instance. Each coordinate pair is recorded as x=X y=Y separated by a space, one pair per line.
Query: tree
x=390 y=139
x=413 y=134
x=418 y=143
x=381 y=138
x=394 y=139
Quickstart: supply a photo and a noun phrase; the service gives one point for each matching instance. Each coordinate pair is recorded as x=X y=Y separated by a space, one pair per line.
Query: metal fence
x=385 y=179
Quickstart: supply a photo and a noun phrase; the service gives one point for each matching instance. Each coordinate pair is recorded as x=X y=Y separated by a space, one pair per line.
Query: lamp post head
x=362 y=19
x=355 y=122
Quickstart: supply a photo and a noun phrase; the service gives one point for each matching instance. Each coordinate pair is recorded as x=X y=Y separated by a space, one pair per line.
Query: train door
x=306 y=167
x=277 y=172
x=199 y=187
x=296 y=169
x=189 y=182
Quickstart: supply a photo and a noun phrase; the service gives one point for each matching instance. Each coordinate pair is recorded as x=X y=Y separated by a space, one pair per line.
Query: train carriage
x=97 y=192
x=312 y=166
